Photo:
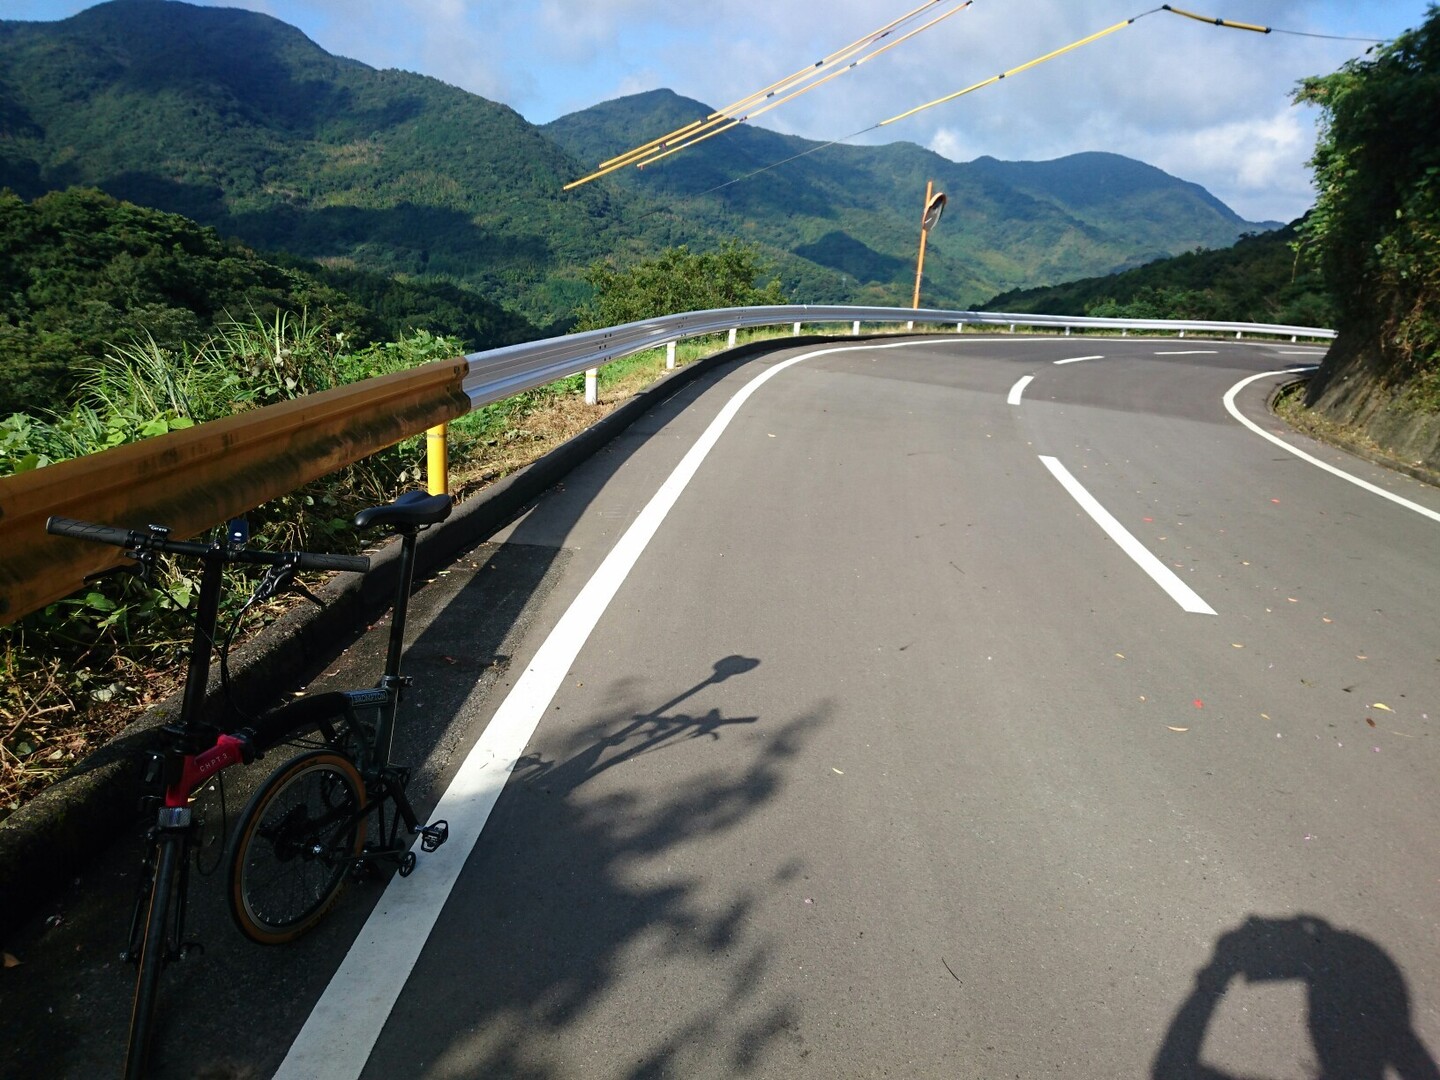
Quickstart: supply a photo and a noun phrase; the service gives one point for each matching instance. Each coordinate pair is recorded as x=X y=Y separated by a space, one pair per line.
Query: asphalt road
x=861 y=748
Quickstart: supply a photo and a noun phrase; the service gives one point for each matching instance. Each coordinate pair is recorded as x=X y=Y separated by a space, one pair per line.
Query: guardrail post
x=1012 y=328
x=1182 y=333
x=1237 y=335
x=797 y=330
x=960 y=327
x=670 y=354
x=855 y=328
x=733 y=331
x=437 y=460
x=592 y=386
x=1067 y=331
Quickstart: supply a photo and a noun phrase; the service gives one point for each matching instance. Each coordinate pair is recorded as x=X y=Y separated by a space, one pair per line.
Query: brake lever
x=144 y=565
x=276 y=578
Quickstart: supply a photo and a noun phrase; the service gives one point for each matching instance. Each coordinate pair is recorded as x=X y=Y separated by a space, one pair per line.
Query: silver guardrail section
x=500 y=373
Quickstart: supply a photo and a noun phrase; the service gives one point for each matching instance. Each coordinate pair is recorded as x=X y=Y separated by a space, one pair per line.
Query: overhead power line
x=724 y=119
x=803 y=90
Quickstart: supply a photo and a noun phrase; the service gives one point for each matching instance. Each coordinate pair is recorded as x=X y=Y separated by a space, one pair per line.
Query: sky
x=1206 y=104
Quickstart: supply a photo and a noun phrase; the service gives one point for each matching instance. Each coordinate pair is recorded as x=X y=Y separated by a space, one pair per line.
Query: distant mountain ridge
x=239 y=121
x=856 y=208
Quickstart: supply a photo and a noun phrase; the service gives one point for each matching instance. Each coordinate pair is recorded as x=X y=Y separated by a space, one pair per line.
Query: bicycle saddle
x=414 y=508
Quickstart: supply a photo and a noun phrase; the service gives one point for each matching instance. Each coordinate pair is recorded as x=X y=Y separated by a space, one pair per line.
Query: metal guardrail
x=500 y=373
x=194 y=479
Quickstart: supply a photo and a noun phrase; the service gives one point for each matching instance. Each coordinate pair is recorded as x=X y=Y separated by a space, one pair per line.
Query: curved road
x=925 y=722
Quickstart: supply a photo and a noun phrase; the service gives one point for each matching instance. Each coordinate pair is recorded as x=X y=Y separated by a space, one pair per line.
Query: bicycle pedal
x=434 y=834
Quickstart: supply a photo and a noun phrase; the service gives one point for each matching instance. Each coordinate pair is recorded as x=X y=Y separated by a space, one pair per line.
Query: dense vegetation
x=1262 y=278
x=112 y=644
x=1376 y=225
x=81 y=272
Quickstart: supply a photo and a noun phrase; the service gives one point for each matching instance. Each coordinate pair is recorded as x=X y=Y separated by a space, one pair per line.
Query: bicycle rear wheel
x=297 y=840
x=155 y=947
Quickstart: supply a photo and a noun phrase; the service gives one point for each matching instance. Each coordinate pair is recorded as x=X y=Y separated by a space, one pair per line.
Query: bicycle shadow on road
x=1358 y=1004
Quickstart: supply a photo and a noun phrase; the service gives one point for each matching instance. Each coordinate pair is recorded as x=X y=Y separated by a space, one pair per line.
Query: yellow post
x=437 y=460
x=924 y=232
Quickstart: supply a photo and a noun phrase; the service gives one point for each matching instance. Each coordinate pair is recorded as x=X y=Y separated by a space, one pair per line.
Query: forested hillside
x=239 y=121
x=81 y=272
x=1263 y=278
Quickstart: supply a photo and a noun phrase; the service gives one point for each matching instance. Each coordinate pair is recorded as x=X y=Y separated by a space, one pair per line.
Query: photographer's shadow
x=1358 y=1004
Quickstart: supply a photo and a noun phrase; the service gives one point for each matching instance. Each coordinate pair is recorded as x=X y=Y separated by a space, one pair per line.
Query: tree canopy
x=676 y=281
x=1375 y=228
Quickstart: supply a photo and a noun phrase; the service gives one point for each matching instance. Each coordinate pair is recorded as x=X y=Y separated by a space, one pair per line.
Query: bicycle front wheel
x=296 y=842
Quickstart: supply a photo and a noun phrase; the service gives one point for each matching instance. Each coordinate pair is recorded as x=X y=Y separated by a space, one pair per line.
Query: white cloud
x=1259 y=164
x=951 y=144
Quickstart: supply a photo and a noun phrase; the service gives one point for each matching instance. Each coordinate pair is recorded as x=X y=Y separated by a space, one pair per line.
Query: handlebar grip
x=309 y=560
x=85 y=530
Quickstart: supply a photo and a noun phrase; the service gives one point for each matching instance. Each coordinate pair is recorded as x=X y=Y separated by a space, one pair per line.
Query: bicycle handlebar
x=135 y=540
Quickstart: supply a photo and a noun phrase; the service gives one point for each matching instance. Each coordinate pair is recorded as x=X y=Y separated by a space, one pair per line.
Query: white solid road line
x=339 y=1035
x=1018 y=389
x=1077 y=359
x=1163 y=576
x=1188 y=352
x=1424 y=511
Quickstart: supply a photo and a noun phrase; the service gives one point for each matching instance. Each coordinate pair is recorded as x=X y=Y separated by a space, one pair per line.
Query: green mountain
x=855 y=210
x=240 y=122
x=1259 y=279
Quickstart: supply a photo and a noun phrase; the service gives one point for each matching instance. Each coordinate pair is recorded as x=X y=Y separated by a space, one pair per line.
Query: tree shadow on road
x=587 y=873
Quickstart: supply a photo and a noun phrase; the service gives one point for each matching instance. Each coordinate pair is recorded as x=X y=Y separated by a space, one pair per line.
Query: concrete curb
x=45 y=844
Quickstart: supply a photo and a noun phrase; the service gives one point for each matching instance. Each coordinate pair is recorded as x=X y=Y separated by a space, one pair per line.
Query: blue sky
x=1206 y=104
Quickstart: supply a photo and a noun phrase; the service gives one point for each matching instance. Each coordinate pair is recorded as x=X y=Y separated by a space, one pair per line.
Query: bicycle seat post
x=393 y=681
x=408 y=540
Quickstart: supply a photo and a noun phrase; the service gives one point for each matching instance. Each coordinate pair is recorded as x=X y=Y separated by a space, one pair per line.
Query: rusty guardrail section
x=194 y=479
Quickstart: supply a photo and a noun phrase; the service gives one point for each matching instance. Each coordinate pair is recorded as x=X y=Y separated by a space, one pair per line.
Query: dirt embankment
x=1356 y=399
